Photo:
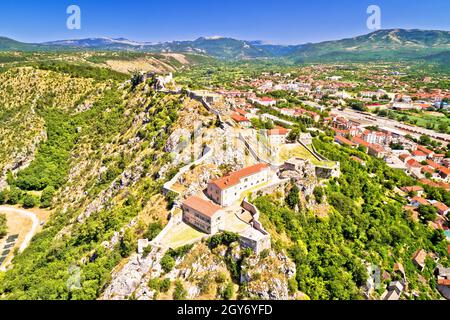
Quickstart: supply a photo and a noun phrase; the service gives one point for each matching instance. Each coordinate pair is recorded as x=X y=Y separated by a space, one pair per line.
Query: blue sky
x=282 y=21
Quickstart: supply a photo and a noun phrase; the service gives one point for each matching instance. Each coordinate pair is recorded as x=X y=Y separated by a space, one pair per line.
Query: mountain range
x=392 y=44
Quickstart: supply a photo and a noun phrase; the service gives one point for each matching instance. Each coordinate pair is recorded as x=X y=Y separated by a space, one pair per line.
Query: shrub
x=153 y=230
x=29 y=201
x=179 y=293
x=227 y=292
x=47 y=196
x=3 y=226
x=167 y=263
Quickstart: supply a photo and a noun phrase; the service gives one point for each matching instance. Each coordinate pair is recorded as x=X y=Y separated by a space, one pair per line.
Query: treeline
x=81 y=70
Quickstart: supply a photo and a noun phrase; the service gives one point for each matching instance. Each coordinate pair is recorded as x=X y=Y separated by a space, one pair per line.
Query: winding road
x=26 y=241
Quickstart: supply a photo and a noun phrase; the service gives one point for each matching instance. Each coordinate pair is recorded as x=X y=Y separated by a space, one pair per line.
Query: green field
x=424 y=120
x=298 y=151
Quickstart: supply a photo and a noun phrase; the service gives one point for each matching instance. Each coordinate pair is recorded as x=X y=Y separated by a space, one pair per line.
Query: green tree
x=167 y=263
x=319 y=194
x=29 y=201
x=127 y=243
x=14 y=196
x=293 y=198
x=47 y=196
x=227 y=292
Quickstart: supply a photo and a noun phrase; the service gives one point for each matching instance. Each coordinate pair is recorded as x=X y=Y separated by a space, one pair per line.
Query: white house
x=228 y=189
x=277 y=136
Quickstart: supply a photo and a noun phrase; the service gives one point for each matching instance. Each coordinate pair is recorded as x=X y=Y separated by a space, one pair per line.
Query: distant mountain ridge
x=378 y=45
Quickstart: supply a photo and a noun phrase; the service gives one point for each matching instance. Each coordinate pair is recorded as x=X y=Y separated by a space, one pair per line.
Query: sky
x=278 y=22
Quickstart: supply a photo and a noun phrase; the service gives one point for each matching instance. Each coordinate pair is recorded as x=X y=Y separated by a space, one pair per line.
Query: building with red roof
x=418 y=190
x=203 y=214
x=228 y=189
x=344 y=141
x=442 y=208
x=418 y=201
x=241 y=120
x=413 y=163
x=278 y=135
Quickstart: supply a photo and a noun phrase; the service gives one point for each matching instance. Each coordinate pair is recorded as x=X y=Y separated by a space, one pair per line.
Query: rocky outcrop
x=125 y=282
x=267 y=278
x=128 y=178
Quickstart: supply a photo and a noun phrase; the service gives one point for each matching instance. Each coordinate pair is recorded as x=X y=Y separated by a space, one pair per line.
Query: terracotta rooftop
x=440 y=206
x=419 y=257
x=420 y=201
x=235 y=177
x=344 y=140
x=424 y=150
x=205 y=207
x=238 y=118
x=279 y=131
x=412 y=189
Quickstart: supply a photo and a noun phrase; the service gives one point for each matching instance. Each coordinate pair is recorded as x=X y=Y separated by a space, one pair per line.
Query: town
x=274 y=123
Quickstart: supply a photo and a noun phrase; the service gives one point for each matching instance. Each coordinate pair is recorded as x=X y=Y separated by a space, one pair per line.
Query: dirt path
x=28 y=214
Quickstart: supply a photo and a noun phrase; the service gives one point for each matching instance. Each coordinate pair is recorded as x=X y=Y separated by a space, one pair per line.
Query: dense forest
x=367 y=225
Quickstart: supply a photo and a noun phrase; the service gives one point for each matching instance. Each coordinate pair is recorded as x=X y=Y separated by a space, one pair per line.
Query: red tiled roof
x=205 y=207
x=412 y=189
x=344 y=140
x=444 y=282
x=440 y=206
x=279 y=131
x=241 y=112
x=376 y=148
x=424 y=150
x=427 y=169
x=413 y=163
x=433 y=164
x=404 y=156
x=234 y=178
x=238 y=118
x=430 y=183
x=418 y=153
x=360 y=141
x=444 y=170
x=421 y=201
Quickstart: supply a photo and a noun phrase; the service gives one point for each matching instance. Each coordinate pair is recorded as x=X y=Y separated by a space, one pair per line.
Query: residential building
x=418 y=201
x=344 y=141
x=414 y=189
x=442 y=208
x=241 y=120
x=419 y=258
x=277 y=136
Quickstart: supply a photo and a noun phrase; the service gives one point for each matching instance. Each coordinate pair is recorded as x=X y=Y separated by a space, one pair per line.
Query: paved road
x=29 y=215
x=391 y=124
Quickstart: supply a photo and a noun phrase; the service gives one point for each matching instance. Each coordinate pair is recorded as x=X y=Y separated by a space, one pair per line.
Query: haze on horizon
x=277 y=22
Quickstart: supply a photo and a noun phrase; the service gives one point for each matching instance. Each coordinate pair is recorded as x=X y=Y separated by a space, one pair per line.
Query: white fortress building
x=203 y=214
x=228 y=189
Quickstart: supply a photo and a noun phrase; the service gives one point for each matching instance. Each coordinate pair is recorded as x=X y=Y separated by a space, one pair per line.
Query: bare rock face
x=267 y=278
x=177 y=140
x=125 y=282
x=128 y=178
